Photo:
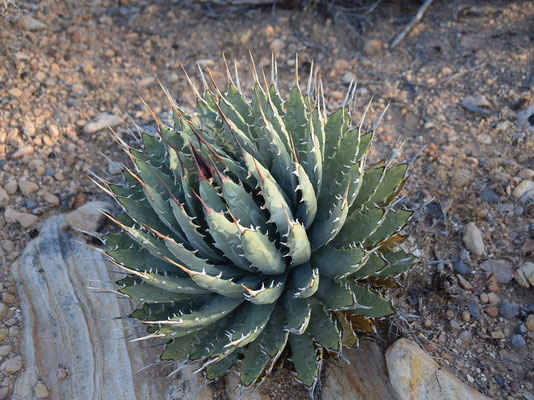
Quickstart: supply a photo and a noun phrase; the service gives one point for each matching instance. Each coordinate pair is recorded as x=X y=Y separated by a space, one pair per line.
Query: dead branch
x=412 y=23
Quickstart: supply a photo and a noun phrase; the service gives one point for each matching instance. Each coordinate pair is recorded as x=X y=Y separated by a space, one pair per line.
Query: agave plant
x=253 y=229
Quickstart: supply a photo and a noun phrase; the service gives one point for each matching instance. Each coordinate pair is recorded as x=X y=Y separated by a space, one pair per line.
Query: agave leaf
x=268 y=293
x=296 y=119
x=240 y=104
x=182 y=346
x=397 y=262
x=275 y=201
x=304 y=280
x=172 y=137
x=374 y=264
x=358 y=227
x=307 y=208
x=253 y=364
x=242 y=205
x=323 y=231
x=215 y=308
x=393 y=222
x=227 y=238
x=298 y=244
x=274 y=336
x=277 y=101
x=338 y=263
x=323 y=327
x=220 y=368
x=370 y=303
x=333 y=133
x=140 y=259
x=196 y=239
x=335 y=295
x=149 y=293
x=306 y=358
x=390 y=184
x=262 y=253
x=298 y=313
x=257 y=317
x=167 y=282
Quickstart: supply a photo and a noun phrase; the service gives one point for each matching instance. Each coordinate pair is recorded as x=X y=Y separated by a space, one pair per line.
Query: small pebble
x=473 y=309
x=492 y=311
x=427 y=323
x=461 y=268
x=449 y=314
x=466 y=316
x=508 y=310
x=530 y=323
x=484 y=298
x=497 y=334
x=518 y=341
x=521 y=329
x=493 y=298
x=12 y=365
x=489 y=195
x=455 y=324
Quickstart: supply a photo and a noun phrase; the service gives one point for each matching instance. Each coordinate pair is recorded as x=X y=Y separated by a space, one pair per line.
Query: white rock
x=524 y=191
x=416 y=376
x=4 y=197
x=28 y=187
x=12 y=365
x=114 y=168
x=26 y=220
x=472 y=238
x=525 y=275
x=51 y=199
x=29 y=23
x=88 y=217
x=503 y=270
x=102 y=121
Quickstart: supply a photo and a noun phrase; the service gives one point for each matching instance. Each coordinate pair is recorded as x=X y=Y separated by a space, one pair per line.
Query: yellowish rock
x=416 y=376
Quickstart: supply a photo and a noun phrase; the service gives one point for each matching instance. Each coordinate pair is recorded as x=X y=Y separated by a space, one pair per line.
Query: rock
x=5 y=350
x=366 y=375
x=41 y=392
x=489 y=195
x=26 y=220
x=530 y=323
x=525 y=118
x=518 y=341
x=11 y=187
x=508 y=310
x=276 y=46
x=524 y=191
x=341 y=64
x=372 y=47
x=8 y=298
x=455 y=324
x=464 y=283
x=4 y=197
x=484 y=298
x=525 y=275
x=54 y=275
x=472 y=238
x=461 y=268
x=415 y=375
x=347 y=78
x=4 y=392
x=114 y=168
x=464 y=255
x=4 y=333
x=12 y=365
x=51 y=199
x=22 y=151
x=28 y=128
x=477 y=104
x=497 y=334
x=492 y=311
x=473 y=309
x=491 y=282
x=28 y=23
x=521 y=329
x=526 y=173
x=102 y=121
x=466 y=337
x=503 y=269
x=61 y=374
x=527 y=250
x=466 y=316
x=28 y=187
x=88 y=217
x=3 y=311
x=493 y=298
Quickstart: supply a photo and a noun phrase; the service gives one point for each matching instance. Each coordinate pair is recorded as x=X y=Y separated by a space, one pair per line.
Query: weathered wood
x=68 y=325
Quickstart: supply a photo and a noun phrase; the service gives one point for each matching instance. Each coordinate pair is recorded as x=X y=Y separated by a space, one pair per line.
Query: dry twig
x=412 y=23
